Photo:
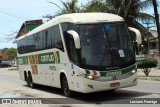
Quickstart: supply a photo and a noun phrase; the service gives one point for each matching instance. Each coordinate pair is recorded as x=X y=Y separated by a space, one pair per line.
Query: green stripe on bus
x=45 y=58
x=57 y=52
x=26 y=60
x=87 y=72
x=123 y=71
x=36 y=69
x=23 y=60
x=33 y=59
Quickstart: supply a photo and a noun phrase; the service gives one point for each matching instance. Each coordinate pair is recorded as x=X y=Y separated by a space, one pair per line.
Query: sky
x=14 y=12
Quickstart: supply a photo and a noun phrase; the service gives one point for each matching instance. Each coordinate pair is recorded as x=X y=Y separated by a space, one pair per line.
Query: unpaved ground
x=12 y=87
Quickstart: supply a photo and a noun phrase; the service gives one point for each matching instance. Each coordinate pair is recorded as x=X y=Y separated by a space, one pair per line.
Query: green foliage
x=70 y=7
x=146 y=65
x=144 y=51
x=11 y=53
x=132 y=12
x=95 y=6
x=4 y=50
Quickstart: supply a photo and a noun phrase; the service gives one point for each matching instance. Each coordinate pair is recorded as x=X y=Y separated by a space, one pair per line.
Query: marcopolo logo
x=113 y=73
x=52 y=68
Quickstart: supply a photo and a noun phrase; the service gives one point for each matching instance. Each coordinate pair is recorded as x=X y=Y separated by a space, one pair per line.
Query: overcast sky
x=14 y=12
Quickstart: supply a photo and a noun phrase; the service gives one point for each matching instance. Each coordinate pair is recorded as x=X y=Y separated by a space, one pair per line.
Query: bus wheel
x=111 y=91
x=27 y=81
x=65 y=87
x=31 y=84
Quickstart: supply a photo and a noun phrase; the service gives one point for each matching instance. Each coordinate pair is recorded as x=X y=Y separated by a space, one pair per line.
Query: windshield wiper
x=104 y=55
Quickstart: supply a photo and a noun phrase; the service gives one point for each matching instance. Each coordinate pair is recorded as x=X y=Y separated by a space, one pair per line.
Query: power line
x=11 y=14
x=8 y=37
x=2 y=33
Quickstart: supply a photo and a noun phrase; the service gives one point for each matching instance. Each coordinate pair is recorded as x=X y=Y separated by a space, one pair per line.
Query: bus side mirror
x=76 y=38
x=138 y=34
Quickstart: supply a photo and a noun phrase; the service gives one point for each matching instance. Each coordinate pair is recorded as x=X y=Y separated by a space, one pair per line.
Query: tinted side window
x=69 y=42
x=56 y=40
x=46 y=39
x=67 y=26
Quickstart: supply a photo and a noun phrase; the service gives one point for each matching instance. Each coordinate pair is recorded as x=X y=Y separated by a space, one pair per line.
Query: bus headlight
x=91 y=77
x=133 y=71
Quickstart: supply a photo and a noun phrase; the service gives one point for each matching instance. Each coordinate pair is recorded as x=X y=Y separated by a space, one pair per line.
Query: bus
x=79 y=52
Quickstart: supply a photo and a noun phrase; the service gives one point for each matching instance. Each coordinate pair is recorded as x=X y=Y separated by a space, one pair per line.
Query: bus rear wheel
x=65 y=87
x=30 y=82
x=27 y=81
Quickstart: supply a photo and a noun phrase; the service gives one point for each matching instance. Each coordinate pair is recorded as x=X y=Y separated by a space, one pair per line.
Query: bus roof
x=77 y=18
x=90 y=17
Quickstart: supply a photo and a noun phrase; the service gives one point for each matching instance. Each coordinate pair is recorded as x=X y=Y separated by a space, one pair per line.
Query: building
x=153 y=43
x=27 y=26
x=0 y=57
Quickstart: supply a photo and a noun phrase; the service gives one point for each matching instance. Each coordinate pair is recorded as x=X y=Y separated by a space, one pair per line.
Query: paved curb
x=149 y=78
x=13 y=69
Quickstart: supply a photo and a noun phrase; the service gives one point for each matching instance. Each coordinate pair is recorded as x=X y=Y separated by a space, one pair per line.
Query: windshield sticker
x=107 y=26
x=121 y=53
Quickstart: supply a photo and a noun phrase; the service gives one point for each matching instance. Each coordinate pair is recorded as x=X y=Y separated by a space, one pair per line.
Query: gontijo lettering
x=46 y=58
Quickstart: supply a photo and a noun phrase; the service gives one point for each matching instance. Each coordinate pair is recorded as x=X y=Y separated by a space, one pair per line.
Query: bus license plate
x=115 y=84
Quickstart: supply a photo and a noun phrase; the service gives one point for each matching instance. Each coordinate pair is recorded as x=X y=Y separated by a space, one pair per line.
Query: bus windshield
x=105 y=46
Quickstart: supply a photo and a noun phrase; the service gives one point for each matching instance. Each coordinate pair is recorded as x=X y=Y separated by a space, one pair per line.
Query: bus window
x=70 y=45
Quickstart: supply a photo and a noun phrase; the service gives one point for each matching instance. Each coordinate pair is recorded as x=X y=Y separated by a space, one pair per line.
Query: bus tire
x=27 y=81
x=31 y=84
x=111 y=91
x=65 y=87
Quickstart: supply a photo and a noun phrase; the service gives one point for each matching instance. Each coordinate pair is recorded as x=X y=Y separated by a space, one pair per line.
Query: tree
x=146 y=65
x=11 y=53
x=95 y=6
x=4 y=56
x=70 y=7
x=3 y=51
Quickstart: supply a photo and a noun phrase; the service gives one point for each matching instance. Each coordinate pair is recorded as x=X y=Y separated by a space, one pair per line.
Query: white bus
x=81 y=52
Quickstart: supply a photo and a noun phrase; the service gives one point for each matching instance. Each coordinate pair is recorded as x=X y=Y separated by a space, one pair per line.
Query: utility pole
x=157 y=22
x=147 y=23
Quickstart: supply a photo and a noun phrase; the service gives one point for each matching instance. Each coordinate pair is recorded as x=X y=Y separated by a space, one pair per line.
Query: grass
x=150 y=77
